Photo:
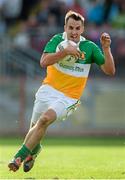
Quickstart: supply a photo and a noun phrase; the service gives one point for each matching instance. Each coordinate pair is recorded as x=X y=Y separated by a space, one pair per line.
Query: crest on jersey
x=82 y=57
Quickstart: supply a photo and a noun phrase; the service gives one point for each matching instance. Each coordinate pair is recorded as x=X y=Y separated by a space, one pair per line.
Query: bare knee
x=46 y=119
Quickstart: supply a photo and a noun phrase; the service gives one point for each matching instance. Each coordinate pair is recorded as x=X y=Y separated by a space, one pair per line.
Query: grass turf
x=69 y=158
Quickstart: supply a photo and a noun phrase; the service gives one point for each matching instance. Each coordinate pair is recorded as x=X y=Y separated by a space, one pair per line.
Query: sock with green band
x=23 y=152
x=36 y=150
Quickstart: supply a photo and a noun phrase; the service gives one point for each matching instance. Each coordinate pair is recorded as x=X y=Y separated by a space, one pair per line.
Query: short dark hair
x=76 y=16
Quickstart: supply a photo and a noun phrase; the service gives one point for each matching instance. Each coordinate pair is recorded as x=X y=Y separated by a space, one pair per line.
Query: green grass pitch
x=69 y=158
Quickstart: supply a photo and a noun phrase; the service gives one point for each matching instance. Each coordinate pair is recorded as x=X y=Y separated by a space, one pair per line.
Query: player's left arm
x=108 y=67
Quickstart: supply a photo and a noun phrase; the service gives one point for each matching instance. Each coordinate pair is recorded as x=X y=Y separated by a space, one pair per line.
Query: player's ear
x=64 y=27
x=82 y=30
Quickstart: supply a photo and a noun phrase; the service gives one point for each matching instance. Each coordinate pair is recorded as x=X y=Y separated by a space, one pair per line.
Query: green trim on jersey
x=92 y=52
x=53 y=43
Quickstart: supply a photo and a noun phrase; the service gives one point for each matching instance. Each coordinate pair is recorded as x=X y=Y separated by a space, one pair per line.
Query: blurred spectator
x=68 y=3
x=3 y=26
x=27 y=6
x=43 y=13
x=22 y=38
x=93 y=33
x=95 y=14
x=119 y=21
x=51 y=24
x=120 y=50
x=33 y=22
x=59 y=9
x=11 y=11
x=1 y=4
x=76 y=7
x=111 y=10
x=104 y=11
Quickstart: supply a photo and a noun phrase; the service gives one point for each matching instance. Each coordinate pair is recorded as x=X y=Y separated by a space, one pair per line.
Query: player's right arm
x=48 y=59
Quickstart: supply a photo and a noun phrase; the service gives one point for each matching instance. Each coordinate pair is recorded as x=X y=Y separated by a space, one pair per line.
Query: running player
x=63 y=86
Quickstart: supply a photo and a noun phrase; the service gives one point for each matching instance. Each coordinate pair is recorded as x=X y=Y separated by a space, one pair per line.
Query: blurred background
x=25 y=27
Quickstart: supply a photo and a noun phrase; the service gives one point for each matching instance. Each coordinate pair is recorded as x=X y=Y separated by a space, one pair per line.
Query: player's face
x=74 y=29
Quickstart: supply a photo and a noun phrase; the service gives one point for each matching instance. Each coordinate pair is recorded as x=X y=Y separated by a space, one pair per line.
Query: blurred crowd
x=33 y=22
x=52 y=12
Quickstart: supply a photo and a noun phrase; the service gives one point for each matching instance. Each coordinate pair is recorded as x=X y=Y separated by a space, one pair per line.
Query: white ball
x=69 y=59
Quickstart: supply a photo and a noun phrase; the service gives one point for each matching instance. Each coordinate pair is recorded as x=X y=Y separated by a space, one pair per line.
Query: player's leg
x=57 y=109
x=38 y=147
x=34 y=137
x=30 y=159
x=40 y=106
x=38 y=109
x=39 y=129
x=34 y=119
x=62 y=111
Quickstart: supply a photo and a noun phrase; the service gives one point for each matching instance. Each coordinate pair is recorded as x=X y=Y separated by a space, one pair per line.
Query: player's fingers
x=78 y=54
x=105 y=36
x=106 y=40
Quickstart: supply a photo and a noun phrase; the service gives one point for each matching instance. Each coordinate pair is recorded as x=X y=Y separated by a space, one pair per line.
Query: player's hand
x=72 y=50
x=105 y=40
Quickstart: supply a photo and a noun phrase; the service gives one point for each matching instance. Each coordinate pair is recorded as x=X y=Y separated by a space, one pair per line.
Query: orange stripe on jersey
x=71 y=86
